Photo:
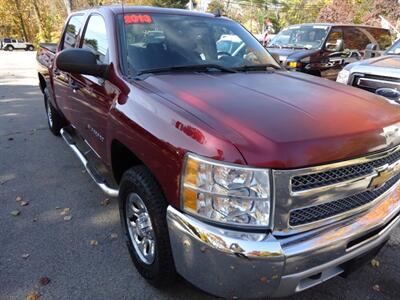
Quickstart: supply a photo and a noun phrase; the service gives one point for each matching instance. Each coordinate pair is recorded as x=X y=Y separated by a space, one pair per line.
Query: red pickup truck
x=245 y=179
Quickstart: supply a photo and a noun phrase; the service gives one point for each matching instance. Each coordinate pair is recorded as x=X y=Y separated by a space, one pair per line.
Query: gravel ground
x=42 y=170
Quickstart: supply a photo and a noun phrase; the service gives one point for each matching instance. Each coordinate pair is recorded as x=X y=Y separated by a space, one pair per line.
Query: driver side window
x=95 y=38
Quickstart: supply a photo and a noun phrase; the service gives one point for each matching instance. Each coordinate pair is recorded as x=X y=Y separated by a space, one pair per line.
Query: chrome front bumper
x=235 y=264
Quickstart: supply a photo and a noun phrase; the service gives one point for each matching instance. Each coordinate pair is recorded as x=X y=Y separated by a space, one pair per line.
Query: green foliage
x=170 y=3
x=216 y=4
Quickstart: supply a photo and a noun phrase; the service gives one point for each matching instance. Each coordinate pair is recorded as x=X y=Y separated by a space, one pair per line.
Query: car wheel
x=9 y=48
x=30 y=48
x=54 y=120
x=143 y=216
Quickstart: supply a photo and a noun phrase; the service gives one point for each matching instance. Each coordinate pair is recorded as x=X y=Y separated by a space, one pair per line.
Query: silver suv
x=11 y=44
x=380 y=75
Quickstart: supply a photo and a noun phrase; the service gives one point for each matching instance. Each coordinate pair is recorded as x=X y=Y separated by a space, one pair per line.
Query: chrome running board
x=101 y=182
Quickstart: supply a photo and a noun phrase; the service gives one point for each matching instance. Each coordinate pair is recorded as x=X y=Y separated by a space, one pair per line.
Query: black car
x=323 y=49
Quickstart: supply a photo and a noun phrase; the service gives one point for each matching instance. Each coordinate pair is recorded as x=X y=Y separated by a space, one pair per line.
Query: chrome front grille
x=372 y=82
x=311 y=197
x=314 y=180
x=329 y=209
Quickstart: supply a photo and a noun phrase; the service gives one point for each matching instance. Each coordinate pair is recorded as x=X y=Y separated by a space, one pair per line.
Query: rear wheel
x=143 y=216
x=9 y=48
x=54 y=120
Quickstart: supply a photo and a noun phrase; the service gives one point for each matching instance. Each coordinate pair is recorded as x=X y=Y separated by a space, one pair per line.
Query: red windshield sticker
x=138 y=19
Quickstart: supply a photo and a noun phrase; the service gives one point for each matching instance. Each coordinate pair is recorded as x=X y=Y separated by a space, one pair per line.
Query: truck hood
x=386 y=66
x=291 y=54
x=284 y=119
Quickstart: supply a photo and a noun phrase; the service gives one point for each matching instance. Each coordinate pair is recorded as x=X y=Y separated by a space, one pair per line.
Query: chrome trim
x=103 y=186
x=286 y=201
x=237 y=264
x=375 y=83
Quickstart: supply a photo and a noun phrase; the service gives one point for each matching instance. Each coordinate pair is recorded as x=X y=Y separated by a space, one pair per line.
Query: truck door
x=94 y=95
x=62 y=82
x=21 y=44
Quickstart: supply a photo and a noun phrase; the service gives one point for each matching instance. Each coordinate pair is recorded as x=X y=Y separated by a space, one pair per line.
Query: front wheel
x=143 y=216
x=30 y=48
x=54 y=120
x=9 y=48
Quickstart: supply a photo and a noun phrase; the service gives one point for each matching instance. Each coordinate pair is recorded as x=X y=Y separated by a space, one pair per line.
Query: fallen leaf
x=94 y=242
x=25 y=255
x=105 y=202
x=33 y=296
x=34 y=220
x=65 y=211
x=44 y=280
x=375 y=263
x=24 y=203
x=114 y=236
x=15 y=212
x=57 y=207
x=10 y=139
x=377 y=288
x=67 y=218
x=18 y=199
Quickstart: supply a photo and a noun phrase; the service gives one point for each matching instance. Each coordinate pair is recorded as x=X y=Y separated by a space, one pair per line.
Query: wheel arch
x=42 y=82
x=122 y=159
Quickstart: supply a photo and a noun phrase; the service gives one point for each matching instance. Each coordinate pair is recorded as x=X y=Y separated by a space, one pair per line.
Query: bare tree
x=21 y=19
x=69 y=5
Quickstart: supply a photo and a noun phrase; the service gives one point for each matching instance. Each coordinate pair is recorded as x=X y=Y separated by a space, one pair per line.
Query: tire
x=9 y=48
x=54 y=120
x=139 y=183
x=30 y=48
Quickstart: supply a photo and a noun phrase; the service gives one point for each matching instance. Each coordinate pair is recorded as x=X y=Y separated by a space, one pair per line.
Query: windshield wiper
x=263 y=67
x=195 y=68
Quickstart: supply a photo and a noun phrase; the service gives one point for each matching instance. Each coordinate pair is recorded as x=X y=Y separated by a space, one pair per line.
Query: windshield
x=158 y=41
x=302 y=37
x=395 y=49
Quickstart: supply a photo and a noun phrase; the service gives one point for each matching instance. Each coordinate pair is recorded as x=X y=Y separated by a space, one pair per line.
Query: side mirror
x=80 y=61
x=339 y=45
x=370 y=50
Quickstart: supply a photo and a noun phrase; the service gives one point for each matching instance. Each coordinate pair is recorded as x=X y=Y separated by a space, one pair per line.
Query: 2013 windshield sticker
x=138 y=19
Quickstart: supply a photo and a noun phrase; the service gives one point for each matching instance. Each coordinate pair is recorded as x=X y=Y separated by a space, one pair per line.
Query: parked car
x=379 y=75
x=244 y=178
x=12 y=44
x=324 y=49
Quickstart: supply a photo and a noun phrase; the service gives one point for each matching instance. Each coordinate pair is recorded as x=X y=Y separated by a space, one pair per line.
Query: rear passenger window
x=382 y=37
x=95 y=38
x=355 y=39
x=72 y=30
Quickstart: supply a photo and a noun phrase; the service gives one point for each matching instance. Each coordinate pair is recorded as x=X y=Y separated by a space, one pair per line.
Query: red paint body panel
x=276 y=120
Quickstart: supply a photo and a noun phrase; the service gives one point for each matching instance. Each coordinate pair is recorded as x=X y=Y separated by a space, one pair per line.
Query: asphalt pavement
x=62 y=238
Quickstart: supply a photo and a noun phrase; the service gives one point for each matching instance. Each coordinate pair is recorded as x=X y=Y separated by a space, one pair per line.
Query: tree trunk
x=21 y=19
x=69 y=5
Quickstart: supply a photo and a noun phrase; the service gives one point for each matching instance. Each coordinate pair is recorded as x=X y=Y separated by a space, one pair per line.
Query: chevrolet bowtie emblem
x=383 y=175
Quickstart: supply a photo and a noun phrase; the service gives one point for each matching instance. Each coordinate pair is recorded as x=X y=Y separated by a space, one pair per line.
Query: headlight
x=343 y=76
x=293 y=64
x=225 y=193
